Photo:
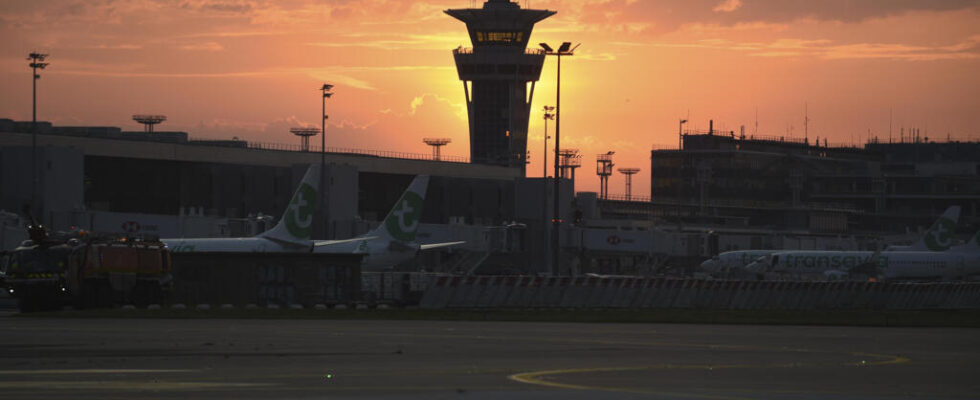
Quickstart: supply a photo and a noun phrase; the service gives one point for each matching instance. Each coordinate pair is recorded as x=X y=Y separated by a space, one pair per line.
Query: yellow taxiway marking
x=111 y=385
x=92 y=371
x=538 y=377
x=889 y=359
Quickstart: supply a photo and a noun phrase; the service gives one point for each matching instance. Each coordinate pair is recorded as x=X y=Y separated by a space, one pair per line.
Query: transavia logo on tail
x=940 y=237
x=299 y=215
x=404 y=220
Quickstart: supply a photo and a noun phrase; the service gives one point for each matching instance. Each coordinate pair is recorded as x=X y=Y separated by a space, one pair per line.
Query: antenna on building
x=305 y=134
x=629 y=172
x=437 y=144
x=604 y=168
x=569 y=161
x=806 y=122
x=149 y=120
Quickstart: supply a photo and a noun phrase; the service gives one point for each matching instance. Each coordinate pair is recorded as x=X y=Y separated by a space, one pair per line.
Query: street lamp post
x=323 y=124
x=564 y=50
x=549 y=113
x=325 y=206
x=37 y=62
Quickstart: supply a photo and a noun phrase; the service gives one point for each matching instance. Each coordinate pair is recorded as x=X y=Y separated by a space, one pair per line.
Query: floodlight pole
x=323 y=124
x=37 y=62
x=34 y=77
x=555 y=222
x=325 y=89
x=548 y=114
x=564 y=49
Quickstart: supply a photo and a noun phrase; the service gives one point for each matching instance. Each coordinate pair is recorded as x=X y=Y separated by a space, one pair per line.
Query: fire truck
x=85 y=271
x=113 y=272
x=34 y=272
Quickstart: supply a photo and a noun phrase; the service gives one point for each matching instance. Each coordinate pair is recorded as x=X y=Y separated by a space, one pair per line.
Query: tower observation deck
x=495 y=75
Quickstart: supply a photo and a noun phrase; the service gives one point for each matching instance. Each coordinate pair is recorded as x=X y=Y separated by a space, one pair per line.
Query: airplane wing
x=319 y=243
x=431 y=246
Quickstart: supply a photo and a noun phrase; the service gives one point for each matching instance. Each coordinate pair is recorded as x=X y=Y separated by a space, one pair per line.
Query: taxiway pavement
x=221 y=358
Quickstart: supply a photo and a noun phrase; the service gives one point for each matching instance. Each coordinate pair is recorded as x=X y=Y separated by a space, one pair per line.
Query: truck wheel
x=26 y=304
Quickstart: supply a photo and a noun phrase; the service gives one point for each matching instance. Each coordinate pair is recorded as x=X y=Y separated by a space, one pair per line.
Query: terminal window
x=500 y=37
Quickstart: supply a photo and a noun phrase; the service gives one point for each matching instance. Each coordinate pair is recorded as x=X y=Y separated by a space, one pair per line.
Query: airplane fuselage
x=231 y=245
x=733 y=260
x=892 y=264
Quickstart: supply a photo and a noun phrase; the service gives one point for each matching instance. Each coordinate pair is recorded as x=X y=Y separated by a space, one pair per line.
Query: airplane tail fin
x=296 y=224
x=939 y=237
x=402 y=222
x=974 y=243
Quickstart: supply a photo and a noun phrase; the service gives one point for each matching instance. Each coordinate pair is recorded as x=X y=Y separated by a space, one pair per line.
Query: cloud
x=831 y=50
x=658 y=17
x=206 y=46
x=390 y=41
x=727 y=6
x=124 y=46
x=226 y=6
x=254 y=131
x=402 y=127
x=458 y=108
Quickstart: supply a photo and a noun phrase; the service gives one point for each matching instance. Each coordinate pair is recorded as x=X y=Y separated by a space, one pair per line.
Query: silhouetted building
x=791 y=183
x=495 y=75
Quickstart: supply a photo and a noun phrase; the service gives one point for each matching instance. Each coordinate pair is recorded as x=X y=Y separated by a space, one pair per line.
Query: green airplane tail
x=296 y=224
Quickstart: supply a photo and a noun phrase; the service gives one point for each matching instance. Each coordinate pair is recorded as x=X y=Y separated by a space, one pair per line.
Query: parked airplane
x=937 y=238
x=392 y=242
x=956 y=263
x=291 y=234
x=891 y=265
x=732 y=261
x=960 y=262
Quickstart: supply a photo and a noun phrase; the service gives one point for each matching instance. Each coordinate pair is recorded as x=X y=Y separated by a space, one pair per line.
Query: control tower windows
x=498 y=37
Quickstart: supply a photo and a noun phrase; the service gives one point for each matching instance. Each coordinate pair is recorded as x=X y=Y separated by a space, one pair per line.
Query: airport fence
x=640 y=292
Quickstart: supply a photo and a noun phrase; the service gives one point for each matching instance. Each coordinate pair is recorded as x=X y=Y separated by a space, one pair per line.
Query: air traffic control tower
x=495 y=75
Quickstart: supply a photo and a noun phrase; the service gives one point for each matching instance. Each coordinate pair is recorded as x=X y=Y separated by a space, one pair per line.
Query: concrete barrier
x=264 y=278
x=639 y=292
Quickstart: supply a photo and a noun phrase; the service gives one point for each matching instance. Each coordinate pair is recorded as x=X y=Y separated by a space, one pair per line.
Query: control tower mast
x=495 y=75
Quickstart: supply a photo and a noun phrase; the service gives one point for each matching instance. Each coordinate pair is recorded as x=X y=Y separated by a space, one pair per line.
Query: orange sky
x=251 y=69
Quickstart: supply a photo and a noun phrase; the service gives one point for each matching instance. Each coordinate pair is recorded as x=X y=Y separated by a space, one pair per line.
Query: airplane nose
x=708 y=265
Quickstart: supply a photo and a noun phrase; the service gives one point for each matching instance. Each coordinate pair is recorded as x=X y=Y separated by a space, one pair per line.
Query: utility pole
x=37 y=62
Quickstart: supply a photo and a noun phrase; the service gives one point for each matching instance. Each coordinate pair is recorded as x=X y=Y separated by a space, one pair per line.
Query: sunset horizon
x=845 y=72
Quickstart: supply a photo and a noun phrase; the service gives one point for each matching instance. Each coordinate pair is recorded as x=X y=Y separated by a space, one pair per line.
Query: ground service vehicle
x=84 y=271
x=35 y=272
